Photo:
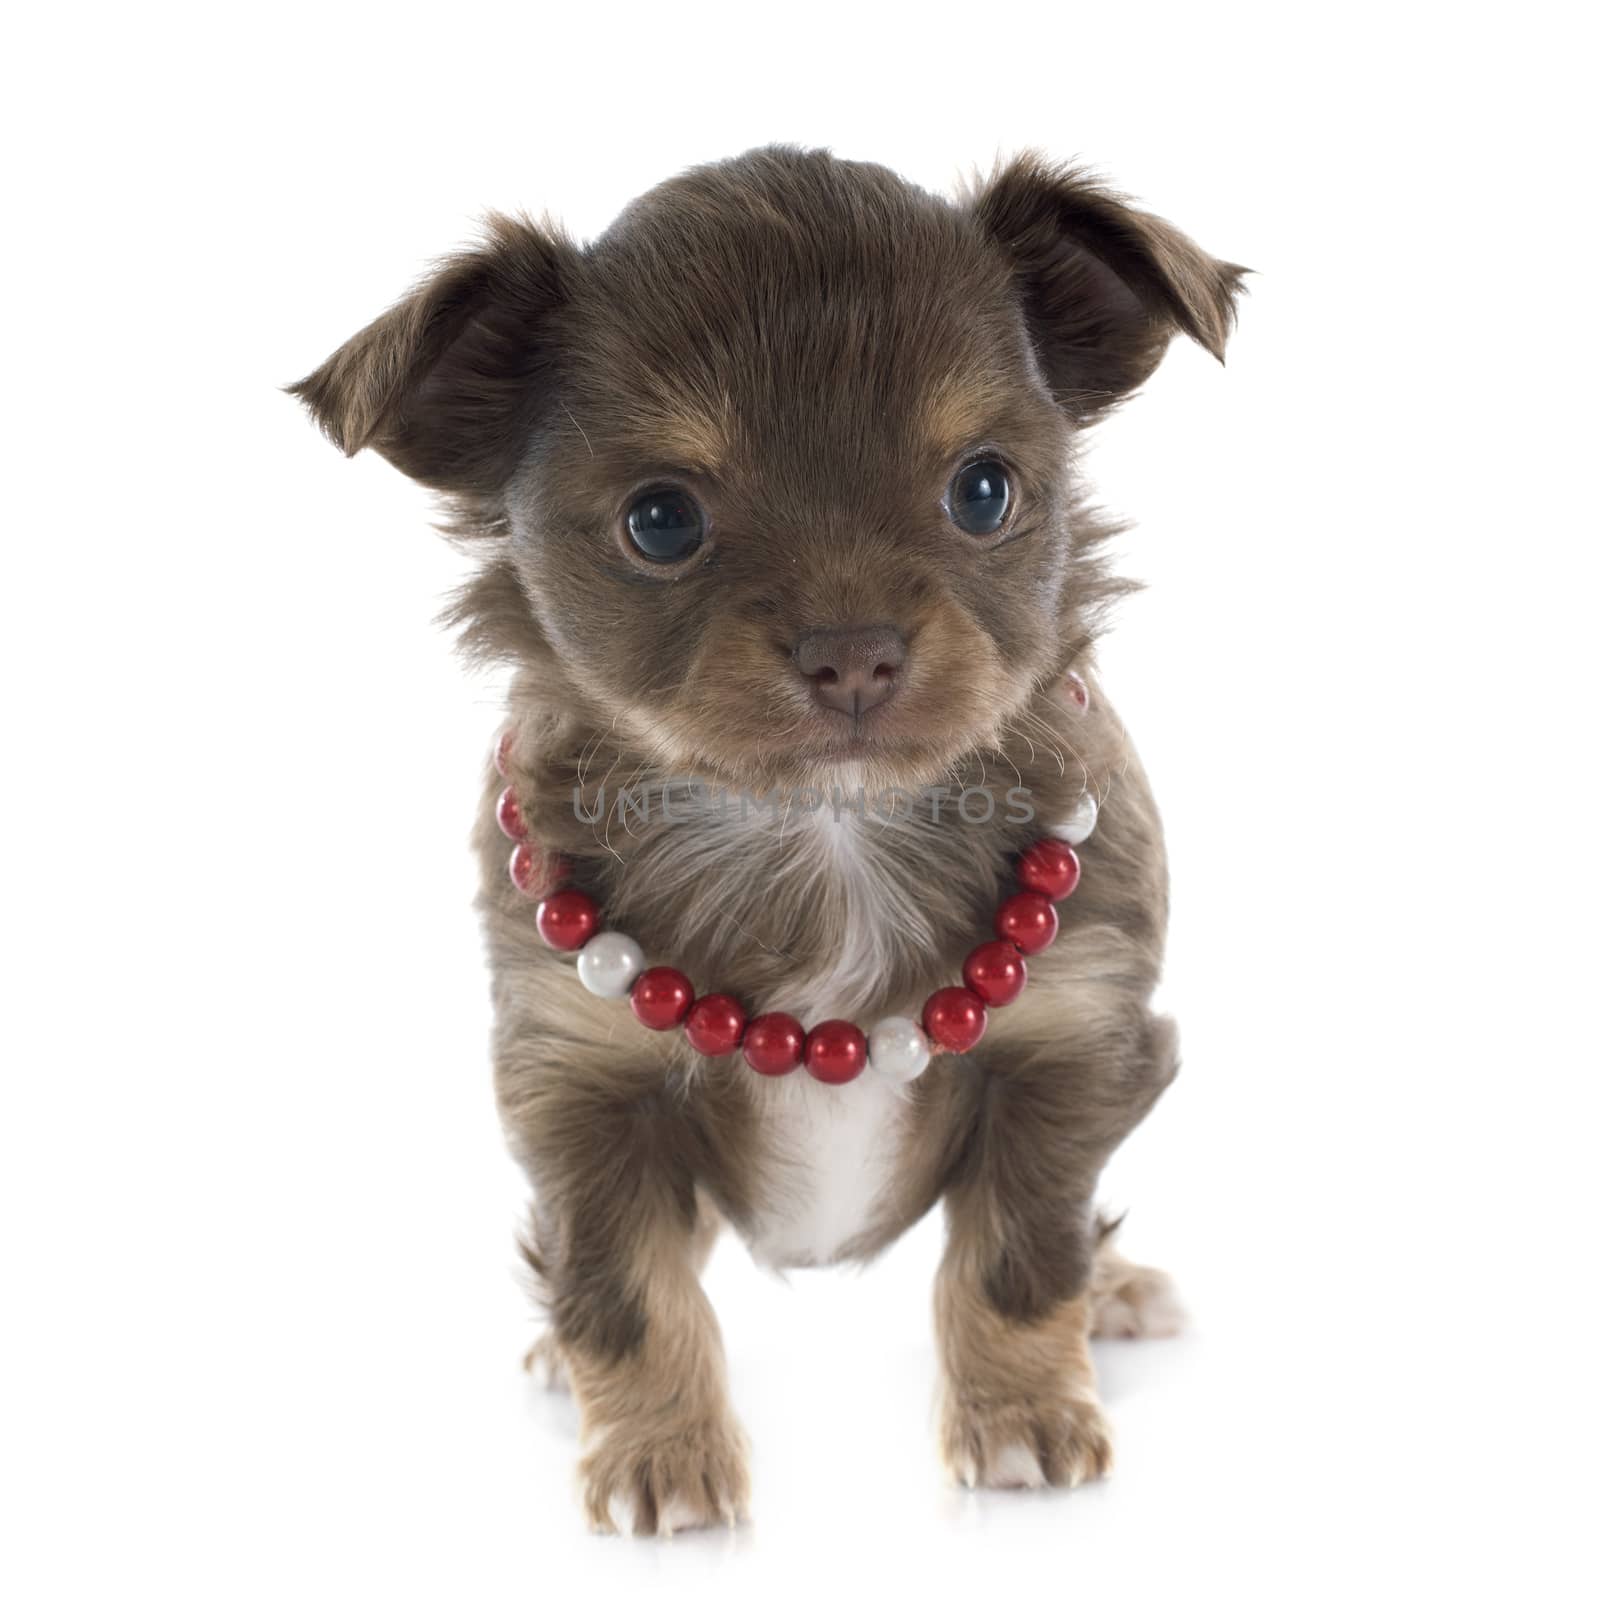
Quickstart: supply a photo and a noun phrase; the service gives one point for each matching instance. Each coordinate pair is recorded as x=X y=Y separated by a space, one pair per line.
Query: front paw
x=673 y=1474
x=1025 y=1444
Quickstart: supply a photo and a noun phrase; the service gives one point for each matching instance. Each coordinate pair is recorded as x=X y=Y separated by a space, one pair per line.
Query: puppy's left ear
x=1103 y=286
x=449 y=383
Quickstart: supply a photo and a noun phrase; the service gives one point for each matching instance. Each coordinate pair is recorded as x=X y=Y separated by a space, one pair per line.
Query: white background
x=261 y=1330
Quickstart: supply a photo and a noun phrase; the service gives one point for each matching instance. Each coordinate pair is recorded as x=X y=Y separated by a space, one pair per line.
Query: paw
x=545 y=1363
x=1026 y=1445
x=1133 y=1302
x=675 y=1476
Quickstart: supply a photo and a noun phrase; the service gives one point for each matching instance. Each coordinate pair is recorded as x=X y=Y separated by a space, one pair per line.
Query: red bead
x=661 y=997
x=502 y=755
x=995 y=972
x=1028 y=920
x=715 y=1024
x=567 y=920
x=536 y=871
x=1049 y=867
x=509 y=815
x=954 y=1019
x=836 y=1052
x=774 y=1044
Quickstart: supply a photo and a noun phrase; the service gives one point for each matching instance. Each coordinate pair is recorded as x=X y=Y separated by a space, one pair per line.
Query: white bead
x=898 y=1049
x=1080 y=820
x=608 y=964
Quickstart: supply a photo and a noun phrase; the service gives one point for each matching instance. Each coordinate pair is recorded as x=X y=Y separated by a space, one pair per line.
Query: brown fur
x=1018 y=1408
x=809 y=346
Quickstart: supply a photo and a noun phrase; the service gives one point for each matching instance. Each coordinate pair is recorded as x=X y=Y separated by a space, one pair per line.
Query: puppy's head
x=776 y=474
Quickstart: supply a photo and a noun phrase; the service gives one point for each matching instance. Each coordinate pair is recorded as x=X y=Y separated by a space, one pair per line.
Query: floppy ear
x=448 y=383
x=1104 y=287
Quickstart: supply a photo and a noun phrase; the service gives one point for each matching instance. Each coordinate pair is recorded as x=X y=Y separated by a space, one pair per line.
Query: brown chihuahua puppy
x=773 y=491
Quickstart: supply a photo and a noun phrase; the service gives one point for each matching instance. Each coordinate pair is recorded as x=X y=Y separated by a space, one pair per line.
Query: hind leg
x=1129 y=1301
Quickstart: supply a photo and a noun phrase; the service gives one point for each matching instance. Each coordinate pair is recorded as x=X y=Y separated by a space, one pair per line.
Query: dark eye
x=666 y=525
x=980 y=495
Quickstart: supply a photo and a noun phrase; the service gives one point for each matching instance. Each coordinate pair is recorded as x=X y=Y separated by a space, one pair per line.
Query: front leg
x=664 y=1449
x=619 y=1248
x=1019 y=1408
x=1013 y=1300
x=622 y=1143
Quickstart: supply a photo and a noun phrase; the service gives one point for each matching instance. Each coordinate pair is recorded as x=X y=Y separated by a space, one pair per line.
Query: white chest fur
x=833 y=1147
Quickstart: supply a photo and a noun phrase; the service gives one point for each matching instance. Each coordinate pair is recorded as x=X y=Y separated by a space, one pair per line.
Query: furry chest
x=832 y=1152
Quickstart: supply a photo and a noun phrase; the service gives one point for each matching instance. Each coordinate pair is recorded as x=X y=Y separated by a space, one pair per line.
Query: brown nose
x=851 y=669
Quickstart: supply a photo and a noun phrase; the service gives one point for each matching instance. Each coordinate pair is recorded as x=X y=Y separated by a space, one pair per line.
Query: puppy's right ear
x=448 y=383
